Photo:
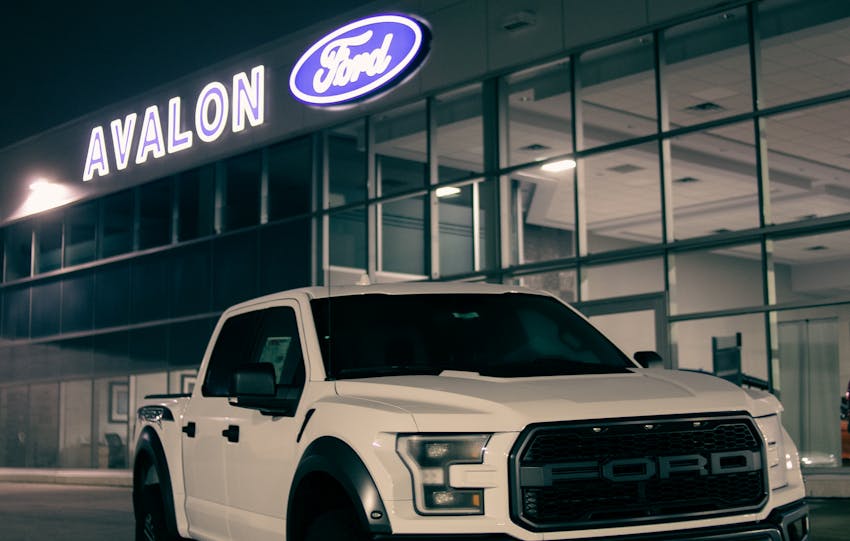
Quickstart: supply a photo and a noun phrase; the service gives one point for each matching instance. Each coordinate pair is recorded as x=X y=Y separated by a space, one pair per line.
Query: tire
x=150 y=520
x=336 y=525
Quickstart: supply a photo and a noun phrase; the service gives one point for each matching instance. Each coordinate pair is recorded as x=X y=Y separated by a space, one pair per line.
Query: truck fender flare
x=150 y=446
x=333 y=457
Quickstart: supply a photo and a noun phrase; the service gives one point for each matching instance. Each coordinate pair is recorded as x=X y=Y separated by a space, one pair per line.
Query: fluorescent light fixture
x=557 y=167
x=448 y=191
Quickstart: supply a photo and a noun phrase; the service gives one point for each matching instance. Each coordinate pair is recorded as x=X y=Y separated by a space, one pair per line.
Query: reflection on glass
x=812 y=268
x=718 y=279
x=48 y=238
x=546 y=203
x=155 y=201
x=80 y=230
x=347 y=164
x=708 y=73
x=714 y=182
x=196 y=205
x=804 y=49
x=623 y=198
x=242 y=192
x=118 y=215
x=18 y=251
x=809 y=162
x=290 y=178
x=618 y=91
x=539 y=114
x=403 y=236
x=460 y=145
x=401 y=149
x=561 y=283
x=75 y=404
x=348 y=238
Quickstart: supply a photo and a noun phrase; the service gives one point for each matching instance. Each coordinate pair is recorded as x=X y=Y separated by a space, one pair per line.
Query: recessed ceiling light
x=448 y=191
x=625 y=168
x=722 y=230
x=817 y=248
x=557 y=167
x=535 y=146
x=705 y=107
x=686 y=180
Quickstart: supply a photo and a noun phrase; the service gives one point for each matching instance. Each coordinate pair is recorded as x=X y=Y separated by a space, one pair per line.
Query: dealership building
x=678 y=171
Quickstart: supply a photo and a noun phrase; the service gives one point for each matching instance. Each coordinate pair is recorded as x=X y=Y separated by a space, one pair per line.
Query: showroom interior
x=680 y=174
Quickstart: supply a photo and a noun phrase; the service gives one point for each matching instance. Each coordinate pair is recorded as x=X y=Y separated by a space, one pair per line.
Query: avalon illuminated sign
x=216 y=107
x=358 y=60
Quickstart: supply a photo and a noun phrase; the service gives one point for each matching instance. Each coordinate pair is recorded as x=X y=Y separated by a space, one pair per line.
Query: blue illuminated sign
x=359 y=59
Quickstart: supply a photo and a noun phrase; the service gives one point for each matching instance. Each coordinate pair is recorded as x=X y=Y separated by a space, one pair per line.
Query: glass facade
x=691 y=182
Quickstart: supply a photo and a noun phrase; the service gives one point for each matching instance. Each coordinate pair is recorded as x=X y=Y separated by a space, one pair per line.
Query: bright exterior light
x=557 y=167
x=45 y=195
x=448 y=191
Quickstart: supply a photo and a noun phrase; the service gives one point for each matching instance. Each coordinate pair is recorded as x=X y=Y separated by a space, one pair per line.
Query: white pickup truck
x=454 y=412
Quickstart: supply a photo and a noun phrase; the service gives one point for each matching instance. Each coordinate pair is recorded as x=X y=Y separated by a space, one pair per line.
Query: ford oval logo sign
x=359 y=59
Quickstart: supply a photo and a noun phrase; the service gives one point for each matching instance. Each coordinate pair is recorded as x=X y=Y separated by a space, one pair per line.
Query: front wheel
x=150 y=520
x=336 y=525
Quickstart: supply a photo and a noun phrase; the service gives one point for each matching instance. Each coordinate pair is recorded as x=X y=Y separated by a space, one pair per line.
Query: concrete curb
x=110 y=478
x=827 y=485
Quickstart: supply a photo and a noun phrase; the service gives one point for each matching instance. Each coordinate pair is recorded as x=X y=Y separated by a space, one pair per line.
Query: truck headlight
x=428 y=458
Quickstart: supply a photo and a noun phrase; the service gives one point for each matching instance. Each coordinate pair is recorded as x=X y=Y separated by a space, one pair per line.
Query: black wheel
x=336 y=525
x=150 y=519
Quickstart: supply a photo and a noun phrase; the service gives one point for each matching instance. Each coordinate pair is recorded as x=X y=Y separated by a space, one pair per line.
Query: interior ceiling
x=808 y=158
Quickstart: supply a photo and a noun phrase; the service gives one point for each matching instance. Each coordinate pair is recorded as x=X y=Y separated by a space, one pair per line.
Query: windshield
x=505 y=335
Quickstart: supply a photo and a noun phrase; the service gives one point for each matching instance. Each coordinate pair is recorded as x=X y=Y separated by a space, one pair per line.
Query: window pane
x=809 y=163
x=196 y=202
x=693 y=340
x=561 y=283
x=805 y=49
x=401 y=149
x=242 y=193
x=118 y=224
x=16 y=313
x=149 y=350
x=623 y=198
x=708 y=74
x=111 y=416
x=460 y=146
x=347 y=164
x=715 y=188
x=622 y=279
x=546 y=203
x=234 y=269
x=112 y=296
x=155 y=214
x=149 y=288
x=232 y=348
x=403 y=236
x=717 y=279
x=45 y=317
x=80 y=231
x=43 y=436
x=285 y=254
x=48 y=238
x=190 y=293
x=290 y=178
x=75 y=449
x=18 y=251
x=456 y=232
x=348 y=238
x=187 y=342
x=77 y=302
x=539 y=114
x=812 y=268
x=618 y=91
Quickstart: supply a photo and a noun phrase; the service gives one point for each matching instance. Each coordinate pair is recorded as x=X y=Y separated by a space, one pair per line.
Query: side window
x=232 y=348
x=264 y=336
x=278 y=344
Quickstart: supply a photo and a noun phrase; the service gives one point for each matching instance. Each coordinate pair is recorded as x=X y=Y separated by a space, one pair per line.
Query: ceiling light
x=448 y=191
x=557 y=167
x=45 y=195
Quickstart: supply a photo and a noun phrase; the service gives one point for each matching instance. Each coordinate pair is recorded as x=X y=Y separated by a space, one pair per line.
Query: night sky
x=62 y=59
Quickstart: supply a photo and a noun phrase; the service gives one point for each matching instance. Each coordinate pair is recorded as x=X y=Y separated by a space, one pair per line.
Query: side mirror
x=649 y=359
x=254 y=380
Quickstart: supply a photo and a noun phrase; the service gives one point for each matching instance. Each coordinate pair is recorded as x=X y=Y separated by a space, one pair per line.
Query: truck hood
x=465 y=401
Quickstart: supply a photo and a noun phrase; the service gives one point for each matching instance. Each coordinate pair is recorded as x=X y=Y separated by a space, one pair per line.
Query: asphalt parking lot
x=35 y=512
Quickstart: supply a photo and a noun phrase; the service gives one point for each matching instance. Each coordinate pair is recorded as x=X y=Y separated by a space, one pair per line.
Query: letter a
x=96 y=157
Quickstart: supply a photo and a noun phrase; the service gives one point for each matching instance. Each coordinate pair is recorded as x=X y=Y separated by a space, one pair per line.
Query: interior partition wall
x=702 y=165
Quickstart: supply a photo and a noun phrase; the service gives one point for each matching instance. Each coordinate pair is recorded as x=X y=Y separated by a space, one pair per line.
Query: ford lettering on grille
x=636 y=471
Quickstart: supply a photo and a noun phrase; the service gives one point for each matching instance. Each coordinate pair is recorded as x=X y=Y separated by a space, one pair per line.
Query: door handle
x=189 y=429
x=231 y=433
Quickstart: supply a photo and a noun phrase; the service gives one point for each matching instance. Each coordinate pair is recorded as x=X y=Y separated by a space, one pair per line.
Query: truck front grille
x=635 y=471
